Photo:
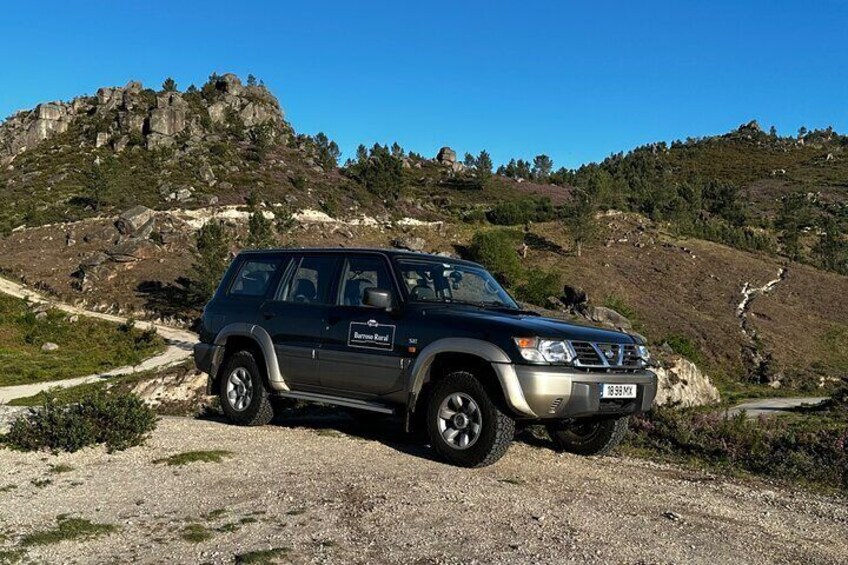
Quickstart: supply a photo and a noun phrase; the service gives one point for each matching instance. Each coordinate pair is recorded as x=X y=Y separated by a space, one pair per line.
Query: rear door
x=360 y=353
x=296 y=316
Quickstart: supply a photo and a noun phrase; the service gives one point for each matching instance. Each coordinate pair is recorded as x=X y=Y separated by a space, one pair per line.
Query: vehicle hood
x=524 y=325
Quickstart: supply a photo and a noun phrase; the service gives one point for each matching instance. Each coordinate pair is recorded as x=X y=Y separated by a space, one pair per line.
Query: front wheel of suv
x=465 y=424
x=242 y=392
x=593 y=437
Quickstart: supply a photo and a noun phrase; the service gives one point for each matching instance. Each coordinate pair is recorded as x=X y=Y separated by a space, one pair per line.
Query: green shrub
x=118 y=420
x=538 y=286
x=379 y=171
x=617 y=303
x=516 y=212
x=684 y=346
x=497 y=251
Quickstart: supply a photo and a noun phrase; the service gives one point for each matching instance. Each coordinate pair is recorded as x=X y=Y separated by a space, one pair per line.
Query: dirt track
x=179 y=341
x=372 y=495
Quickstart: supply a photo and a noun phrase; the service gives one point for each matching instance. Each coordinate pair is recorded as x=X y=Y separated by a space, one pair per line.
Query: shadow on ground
x=370 y=426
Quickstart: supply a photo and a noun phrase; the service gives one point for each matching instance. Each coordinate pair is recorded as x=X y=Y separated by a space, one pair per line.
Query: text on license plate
x=618 y=391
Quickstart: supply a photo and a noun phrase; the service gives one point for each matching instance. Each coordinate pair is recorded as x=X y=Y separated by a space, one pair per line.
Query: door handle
x=269 y=315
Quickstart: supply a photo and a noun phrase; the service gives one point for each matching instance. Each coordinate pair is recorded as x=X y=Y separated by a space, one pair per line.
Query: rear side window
x=254 y=277
x=311 y=281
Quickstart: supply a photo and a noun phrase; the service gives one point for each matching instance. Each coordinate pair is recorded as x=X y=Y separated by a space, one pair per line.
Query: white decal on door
x=371 y=335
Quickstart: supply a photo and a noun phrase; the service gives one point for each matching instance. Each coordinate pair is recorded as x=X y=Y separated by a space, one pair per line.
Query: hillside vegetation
x=670 y=234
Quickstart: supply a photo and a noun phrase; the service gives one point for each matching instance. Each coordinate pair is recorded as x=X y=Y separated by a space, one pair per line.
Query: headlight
x=538 y=350
x=643 y=352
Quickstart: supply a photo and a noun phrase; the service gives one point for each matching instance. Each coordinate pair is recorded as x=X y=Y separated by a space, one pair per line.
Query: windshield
x=436 y=281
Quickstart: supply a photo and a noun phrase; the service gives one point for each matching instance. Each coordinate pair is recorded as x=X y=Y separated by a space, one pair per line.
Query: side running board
x=338 y=401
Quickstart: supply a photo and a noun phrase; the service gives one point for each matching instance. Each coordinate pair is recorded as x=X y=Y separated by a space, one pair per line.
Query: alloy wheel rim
x=460 y=421
x=239 y=389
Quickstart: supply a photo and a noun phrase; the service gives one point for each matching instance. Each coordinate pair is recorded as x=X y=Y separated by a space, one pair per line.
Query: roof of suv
x=391 y=253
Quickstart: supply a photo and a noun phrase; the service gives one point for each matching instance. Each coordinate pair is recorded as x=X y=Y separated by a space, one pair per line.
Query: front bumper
x=551 y=392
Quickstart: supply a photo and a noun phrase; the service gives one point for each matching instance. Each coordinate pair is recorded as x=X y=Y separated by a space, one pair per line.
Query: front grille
x=606 y=355
x=586 y=354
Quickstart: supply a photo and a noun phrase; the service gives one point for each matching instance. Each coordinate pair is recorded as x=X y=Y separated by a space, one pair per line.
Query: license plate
x=618 y=391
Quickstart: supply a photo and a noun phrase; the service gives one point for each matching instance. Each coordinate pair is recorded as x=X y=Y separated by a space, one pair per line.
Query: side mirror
x=378 y=298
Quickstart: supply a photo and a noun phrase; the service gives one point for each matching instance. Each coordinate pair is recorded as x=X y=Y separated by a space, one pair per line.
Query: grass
x=41 y=483
x=67 y=529
x=8 y=488
x=61 y=468
x=86 y=346
x=296 y=511
x=512 y=481
x=10 y=556
x=262 y=556
x=196 y=533
x=208 y=456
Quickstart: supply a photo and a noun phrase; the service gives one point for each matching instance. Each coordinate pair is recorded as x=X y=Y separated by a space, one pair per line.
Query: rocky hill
x=104 y=196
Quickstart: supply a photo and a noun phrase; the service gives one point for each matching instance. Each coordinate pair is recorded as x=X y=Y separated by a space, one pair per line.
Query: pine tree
x=542 y=166
x=483 y=163
x=580 y=218
x=211 y=258
x=169 y=85
x=260 y=233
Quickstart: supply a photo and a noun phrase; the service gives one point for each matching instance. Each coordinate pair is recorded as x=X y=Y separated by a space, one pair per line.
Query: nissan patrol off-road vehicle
x=434 y=340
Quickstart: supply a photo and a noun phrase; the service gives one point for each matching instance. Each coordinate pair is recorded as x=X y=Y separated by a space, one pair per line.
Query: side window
x=361 y=273
x=311 y=281
x=254 y=277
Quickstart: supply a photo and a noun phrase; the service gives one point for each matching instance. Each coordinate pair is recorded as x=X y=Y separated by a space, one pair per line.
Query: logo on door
x=371 y=335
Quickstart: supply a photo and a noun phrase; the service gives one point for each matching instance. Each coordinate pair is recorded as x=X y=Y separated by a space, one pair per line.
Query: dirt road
x=179 y=346
x=369 y=495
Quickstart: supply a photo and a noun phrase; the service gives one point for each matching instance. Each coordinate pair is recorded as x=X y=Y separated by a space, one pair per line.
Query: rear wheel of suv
x=592 y=437
x=465 y=424
x=242 y=392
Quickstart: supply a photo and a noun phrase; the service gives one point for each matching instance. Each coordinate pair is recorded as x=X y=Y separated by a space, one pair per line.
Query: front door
x=360 y=351
x=297 y=315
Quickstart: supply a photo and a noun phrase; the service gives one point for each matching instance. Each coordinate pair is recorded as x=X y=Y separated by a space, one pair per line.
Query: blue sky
x=575 y=80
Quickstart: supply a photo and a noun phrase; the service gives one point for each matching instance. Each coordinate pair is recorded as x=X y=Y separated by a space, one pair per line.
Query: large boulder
x=409 y=243
x=133 y=219
x=681 y=383
x=446 y=156
x=575 y=298
x=167 y=121
x=608 y=317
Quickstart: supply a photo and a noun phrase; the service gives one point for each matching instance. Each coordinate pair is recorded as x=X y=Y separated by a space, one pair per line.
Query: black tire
x=258 y=411
x=496 y=427
x=594 y=437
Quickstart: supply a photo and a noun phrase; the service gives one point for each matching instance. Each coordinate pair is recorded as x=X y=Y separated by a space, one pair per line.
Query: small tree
x=327 y=151
x=170 y=85
x=497 y=250
x=261 y=139
x=379 y=171
x=795 y=214
x=542 y=166
x=251 y=80
x=831 y=249
x=260 y=233
x=469 y=161
x=211 y=258
x=484 y=164
x=580 y=215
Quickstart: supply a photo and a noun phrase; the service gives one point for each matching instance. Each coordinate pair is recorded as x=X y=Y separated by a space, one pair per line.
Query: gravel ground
x=367 y=494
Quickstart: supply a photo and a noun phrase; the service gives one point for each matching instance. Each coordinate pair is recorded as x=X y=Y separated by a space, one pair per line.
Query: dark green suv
x=434 y=340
